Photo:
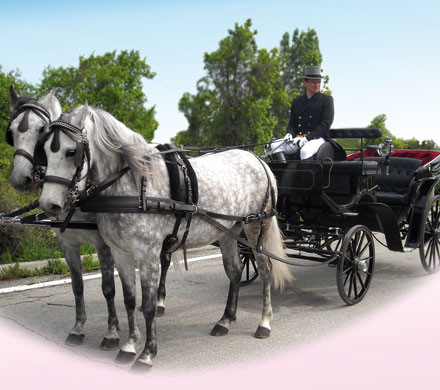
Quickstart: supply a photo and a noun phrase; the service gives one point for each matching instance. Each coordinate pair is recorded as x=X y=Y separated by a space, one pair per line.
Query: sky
x=382 y=57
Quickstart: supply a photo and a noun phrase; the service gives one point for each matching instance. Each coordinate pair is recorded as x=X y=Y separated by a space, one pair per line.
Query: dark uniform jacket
x=311 y=117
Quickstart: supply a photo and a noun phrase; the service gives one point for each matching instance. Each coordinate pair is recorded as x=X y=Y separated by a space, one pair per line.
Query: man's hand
x=288 y=137
x=301 y=142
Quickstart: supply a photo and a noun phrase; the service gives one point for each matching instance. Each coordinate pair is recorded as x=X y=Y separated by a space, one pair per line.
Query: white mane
x=112 y=137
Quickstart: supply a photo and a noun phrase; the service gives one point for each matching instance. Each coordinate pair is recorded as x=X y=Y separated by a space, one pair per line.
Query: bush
x=18 y=243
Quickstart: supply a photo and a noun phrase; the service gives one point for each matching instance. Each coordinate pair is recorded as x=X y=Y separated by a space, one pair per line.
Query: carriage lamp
x=386 y=148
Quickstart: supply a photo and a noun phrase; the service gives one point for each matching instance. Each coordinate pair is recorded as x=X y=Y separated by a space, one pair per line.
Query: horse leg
x=73 y=259
x=234 y=269
x=126 y=270
x=165 y=261
x=264 y=272
x=111 y=339
x=149 y=276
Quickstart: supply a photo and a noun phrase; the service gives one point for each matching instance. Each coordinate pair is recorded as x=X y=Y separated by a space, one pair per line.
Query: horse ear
x=51 y=103
x=45 y=101
x=13 y=98
x=83 y=116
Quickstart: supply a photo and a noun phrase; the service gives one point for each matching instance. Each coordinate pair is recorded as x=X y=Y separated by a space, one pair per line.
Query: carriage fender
x=384 y=221
x=424 y=194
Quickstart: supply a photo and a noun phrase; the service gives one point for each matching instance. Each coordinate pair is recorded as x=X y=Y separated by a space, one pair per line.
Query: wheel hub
x=361 y=265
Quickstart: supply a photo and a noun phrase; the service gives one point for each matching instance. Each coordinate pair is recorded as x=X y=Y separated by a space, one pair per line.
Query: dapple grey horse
x=30 y=119
x=233 y=182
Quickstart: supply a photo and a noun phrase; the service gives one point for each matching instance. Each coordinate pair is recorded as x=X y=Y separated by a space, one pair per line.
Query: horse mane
x=113 y=137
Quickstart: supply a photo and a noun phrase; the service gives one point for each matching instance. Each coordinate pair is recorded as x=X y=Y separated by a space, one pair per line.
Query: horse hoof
x=262 y=333
x=109 y=344
x=74 y=339
x=219 y=330
x=142 y=365
x=160 y=311
x=125 y=357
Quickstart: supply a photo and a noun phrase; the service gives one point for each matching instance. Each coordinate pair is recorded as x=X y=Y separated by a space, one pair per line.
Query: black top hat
x=313 y=72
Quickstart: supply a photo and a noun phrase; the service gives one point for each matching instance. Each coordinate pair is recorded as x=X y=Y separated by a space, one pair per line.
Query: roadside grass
x=54 y=267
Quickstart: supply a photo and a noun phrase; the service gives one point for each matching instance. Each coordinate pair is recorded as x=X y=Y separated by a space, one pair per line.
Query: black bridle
x=23 y=126
x=82 y=155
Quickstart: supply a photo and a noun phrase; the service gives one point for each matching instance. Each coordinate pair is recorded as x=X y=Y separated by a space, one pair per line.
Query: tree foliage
x=246 y=93
x=110 y=81
x=379 y=122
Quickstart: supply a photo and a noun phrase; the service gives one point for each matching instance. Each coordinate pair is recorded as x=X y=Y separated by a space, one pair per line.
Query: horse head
x=30 y=118
x=109 y=147
x=68 y=162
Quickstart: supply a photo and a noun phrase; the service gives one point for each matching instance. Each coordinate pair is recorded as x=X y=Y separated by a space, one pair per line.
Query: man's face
x=312 y=86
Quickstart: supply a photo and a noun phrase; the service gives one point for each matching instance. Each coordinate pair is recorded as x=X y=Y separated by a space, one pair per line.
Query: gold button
x=299 y=117
x=299 y=125
x=310 y=116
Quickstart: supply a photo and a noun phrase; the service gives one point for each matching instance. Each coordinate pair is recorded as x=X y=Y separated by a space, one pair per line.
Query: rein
x=208 y=149
x=88 y=201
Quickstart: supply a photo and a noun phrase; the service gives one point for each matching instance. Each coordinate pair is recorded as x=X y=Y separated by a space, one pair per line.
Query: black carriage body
x=386 y=194
x=328 y=209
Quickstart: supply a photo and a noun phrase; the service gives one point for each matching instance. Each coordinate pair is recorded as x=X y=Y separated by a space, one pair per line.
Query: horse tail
x=274 y=244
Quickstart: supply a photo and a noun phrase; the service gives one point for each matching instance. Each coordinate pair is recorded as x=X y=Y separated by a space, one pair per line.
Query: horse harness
x=184 y=194
x=27 y=108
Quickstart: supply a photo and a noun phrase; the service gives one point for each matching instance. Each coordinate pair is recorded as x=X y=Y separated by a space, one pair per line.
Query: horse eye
x=71 y=153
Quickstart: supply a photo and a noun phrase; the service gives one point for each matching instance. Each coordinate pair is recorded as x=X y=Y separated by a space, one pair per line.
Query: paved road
x=309 y=312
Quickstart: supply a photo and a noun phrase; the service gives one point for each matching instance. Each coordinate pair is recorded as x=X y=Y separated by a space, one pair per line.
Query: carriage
x=332 y=212
x=327 y=210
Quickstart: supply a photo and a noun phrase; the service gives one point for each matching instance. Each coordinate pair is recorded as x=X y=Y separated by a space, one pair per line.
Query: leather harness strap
x=184 y=188
x=88 y=201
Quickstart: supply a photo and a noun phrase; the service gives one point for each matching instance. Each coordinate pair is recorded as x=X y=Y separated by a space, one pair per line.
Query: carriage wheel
x=355 y=266
x=250 y=271
x=333 y=244
x=429 y=245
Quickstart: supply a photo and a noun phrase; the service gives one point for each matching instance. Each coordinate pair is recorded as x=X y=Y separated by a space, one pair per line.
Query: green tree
x=378 y=122
x=399 y=143
x=428 y=144
x=233 y=101
x=245 y=96
x=302 y=50
x=294 y=54
x=112 y=82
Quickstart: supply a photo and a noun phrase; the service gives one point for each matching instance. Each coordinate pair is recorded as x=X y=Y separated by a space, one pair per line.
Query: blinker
x=40 y=157
x=24 y=124
x=9 y=137
x=55 y=145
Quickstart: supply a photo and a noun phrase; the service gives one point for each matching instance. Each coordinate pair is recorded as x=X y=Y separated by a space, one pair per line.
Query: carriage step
x=350 y=214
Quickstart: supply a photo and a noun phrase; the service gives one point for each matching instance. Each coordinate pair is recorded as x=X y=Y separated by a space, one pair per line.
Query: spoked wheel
x=429 y=245
x=355 y=266
x=250 y=271
x=333 y=243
